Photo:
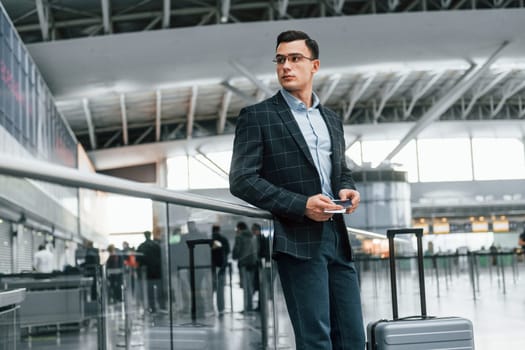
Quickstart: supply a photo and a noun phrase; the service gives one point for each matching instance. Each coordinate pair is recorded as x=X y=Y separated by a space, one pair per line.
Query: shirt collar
x=297 y=105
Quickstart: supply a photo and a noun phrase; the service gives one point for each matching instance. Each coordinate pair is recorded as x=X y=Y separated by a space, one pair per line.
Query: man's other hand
x=354 y=196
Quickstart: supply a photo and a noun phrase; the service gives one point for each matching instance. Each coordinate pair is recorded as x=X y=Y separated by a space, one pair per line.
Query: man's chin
x=289 y=86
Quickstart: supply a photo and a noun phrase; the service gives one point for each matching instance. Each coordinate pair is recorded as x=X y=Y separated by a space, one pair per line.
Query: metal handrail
x=40 y=170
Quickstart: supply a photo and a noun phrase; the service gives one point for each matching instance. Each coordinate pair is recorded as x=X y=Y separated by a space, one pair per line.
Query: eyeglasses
x=293 y=58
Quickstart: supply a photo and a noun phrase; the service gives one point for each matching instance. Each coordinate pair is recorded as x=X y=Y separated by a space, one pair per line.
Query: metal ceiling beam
x=355 y=94
x=201 y=158
x=106 y=14
x=51 y=21
x=25 y=15
x=207 y=17
x=174 y=132
x=445 y=4
x=43 y=19
x=459 y=4
x=124 y=117
x=508 y=91
x=412 y=5
x=143 y=136
x=134 y=6
x=521 y=109
x=158 y=115
x=223 y=113
x=191 y=111
x=261 y=7
x=251 y=77
x=282 y=6
x=215 y=165
x=119 y=18
x=248 y=98
x=152 y=24
x=225 y=10
x=389 y=89
x=203 y=10
x=112 y=138
x=438 y=108
x=72 y=10
x=480 y=91
x=419 y=90
x=337 y=6
x=329 y=87
x=166 y=14
x=89 y=120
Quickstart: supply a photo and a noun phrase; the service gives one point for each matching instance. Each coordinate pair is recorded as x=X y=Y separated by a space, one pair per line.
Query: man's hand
x=353 y=195
x=316 y=205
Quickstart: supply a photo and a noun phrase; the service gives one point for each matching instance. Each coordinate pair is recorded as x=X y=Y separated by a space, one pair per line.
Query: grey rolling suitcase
x=417 y=332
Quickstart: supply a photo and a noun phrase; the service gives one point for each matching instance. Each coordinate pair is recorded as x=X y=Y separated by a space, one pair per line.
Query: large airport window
x=406 y=160
x=498 y=159
x=27 y=110
x=195 y=172
x=122 y=214
x=444 y=160
x=177 y=177
x=205 y=175
x=221 y=159
x=374 y=152
x=354 y=153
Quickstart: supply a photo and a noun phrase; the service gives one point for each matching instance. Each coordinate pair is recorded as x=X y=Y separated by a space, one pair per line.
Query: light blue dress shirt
x=316 y=135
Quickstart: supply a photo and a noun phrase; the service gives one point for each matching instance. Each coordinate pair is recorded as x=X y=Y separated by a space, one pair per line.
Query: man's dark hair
x=256 y=227
x=147 y=234
x=41 y=247
x=242 y=225
x=215 y=229
x=293 y=35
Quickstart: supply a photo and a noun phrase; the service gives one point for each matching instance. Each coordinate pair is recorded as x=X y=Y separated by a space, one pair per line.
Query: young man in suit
x=288 y=158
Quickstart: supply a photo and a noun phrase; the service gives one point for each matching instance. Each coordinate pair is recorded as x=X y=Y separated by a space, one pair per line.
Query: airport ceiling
x=137 y=72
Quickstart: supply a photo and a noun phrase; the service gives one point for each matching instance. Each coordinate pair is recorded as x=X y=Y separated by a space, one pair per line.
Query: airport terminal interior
x=117 y=120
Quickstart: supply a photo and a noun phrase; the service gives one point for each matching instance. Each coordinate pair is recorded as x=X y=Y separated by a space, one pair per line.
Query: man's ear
x=315 y=66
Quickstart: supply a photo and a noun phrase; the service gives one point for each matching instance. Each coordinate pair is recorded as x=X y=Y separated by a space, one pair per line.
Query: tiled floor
x=498 y=315
x=497 y=312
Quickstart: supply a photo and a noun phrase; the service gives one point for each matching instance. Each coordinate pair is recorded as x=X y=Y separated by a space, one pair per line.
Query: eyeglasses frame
x=287 y=58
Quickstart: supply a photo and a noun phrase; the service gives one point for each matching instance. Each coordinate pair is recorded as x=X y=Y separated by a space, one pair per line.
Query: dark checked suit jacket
x=272 y=168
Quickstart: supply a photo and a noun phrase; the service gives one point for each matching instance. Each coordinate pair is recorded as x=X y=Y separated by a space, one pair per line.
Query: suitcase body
x=421 y=334
x=418 y=332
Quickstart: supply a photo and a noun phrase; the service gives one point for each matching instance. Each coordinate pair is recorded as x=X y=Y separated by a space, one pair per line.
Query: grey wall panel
x=32 y=198
x=60 y=254
x=25 y=249
x=6 y=254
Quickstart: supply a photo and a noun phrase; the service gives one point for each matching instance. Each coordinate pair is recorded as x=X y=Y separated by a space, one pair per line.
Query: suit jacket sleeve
x=245 y=172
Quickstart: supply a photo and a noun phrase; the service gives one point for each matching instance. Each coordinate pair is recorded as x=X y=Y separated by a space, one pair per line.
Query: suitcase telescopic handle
x=419 y=236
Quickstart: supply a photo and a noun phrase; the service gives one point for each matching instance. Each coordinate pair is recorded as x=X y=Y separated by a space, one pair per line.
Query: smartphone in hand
x=345 y=203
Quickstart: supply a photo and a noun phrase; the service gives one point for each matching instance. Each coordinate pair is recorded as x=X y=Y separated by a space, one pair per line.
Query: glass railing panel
x=208 y=288
x=99 y=297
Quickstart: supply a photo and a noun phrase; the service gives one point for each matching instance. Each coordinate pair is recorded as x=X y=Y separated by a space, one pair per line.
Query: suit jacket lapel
x=291 y=124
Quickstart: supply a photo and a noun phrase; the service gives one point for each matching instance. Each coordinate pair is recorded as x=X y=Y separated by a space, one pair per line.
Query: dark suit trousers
x=322 y=296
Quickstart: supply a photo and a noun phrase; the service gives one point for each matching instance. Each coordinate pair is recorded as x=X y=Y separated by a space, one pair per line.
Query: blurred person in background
x=43 y=260
x=245 y=252
x=114 y=265
x=149 y=257
x=219 y=255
